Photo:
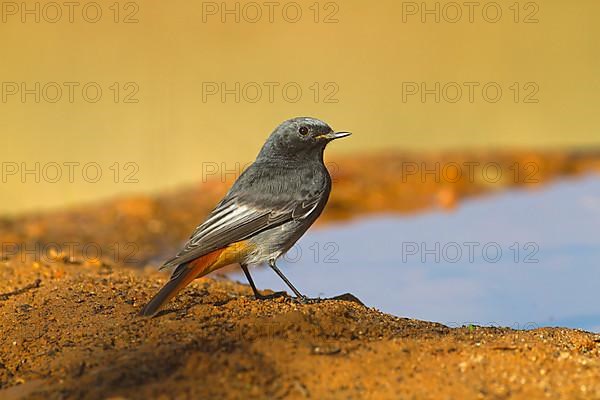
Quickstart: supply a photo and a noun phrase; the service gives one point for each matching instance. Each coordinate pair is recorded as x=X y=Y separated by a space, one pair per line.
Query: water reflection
x=521 y=259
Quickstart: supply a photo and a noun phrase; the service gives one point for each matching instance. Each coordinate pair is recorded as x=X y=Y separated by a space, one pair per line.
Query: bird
x=267 y=209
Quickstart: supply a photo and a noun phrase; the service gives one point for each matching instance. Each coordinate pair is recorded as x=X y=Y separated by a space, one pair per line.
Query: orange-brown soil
x=70 y=328
x=71 y=331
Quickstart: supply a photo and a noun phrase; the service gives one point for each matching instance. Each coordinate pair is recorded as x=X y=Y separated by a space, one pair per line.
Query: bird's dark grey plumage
x=270 y=206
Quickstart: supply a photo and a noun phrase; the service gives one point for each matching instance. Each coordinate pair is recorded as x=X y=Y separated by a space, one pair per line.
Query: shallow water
x=522 y=259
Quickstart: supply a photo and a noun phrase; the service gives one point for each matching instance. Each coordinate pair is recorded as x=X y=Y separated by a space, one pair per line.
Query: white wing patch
x=220 y=219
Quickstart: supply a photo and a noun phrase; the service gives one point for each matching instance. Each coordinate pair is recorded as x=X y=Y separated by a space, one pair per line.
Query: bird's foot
x=300 y=300
x=271 y=296
x=306 y=300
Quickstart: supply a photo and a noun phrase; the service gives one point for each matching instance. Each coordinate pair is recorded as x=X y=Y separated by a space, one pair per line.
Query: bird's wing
x=234 y=220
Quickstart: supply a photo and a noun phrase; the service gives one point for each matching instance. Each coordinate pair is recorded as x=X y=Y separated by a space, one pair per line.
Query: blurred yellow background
x=362 y=65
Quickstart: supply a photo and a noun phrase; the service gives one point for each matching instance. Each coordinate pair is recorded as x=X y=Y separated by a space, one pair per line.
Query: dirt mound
x=72 y=331
x=69 y=305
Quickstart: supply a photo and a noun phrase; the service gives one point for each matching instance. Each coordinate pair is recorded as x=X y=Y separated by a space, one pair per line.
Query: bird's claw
x=305 y=300
x=299 y=300
x=271 y=296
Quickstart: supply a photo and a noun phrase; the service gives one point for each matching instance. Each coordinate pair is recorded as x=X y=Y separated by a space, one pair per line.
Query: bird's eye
x=303 y=130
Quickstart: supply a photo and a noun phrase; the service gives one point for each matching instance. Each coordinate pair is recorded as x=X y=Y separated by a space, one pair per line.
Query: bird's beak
x=334 y=135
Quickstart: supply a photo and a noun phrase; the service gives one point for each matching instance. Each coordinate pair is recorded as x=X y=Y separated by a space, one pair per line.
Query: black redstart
x=268 y=208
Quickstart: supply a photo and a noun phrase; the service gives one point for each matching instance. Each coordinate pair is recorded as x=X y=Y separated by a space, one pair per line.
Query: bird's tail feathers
x=183 y=275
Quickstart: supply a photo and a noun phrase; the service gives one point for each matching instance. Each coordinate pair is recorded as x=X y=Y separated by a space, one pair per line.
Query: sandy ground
x=72 y=331
x=70 y=328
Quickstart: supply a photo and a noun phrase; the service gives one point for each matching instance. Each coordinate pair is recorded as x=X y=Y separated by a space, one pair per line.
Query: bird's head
x=299 y=137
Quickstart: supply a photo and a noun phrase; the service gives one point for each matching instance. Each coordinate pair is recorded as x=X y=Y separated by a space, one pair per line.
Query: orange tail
x=192 y=270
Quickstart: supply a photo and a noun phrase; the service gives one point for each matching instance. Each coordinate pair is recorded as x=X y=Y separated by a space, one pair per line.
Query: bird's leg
x=257 y=294
x=250 y=280
x=300 y=296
